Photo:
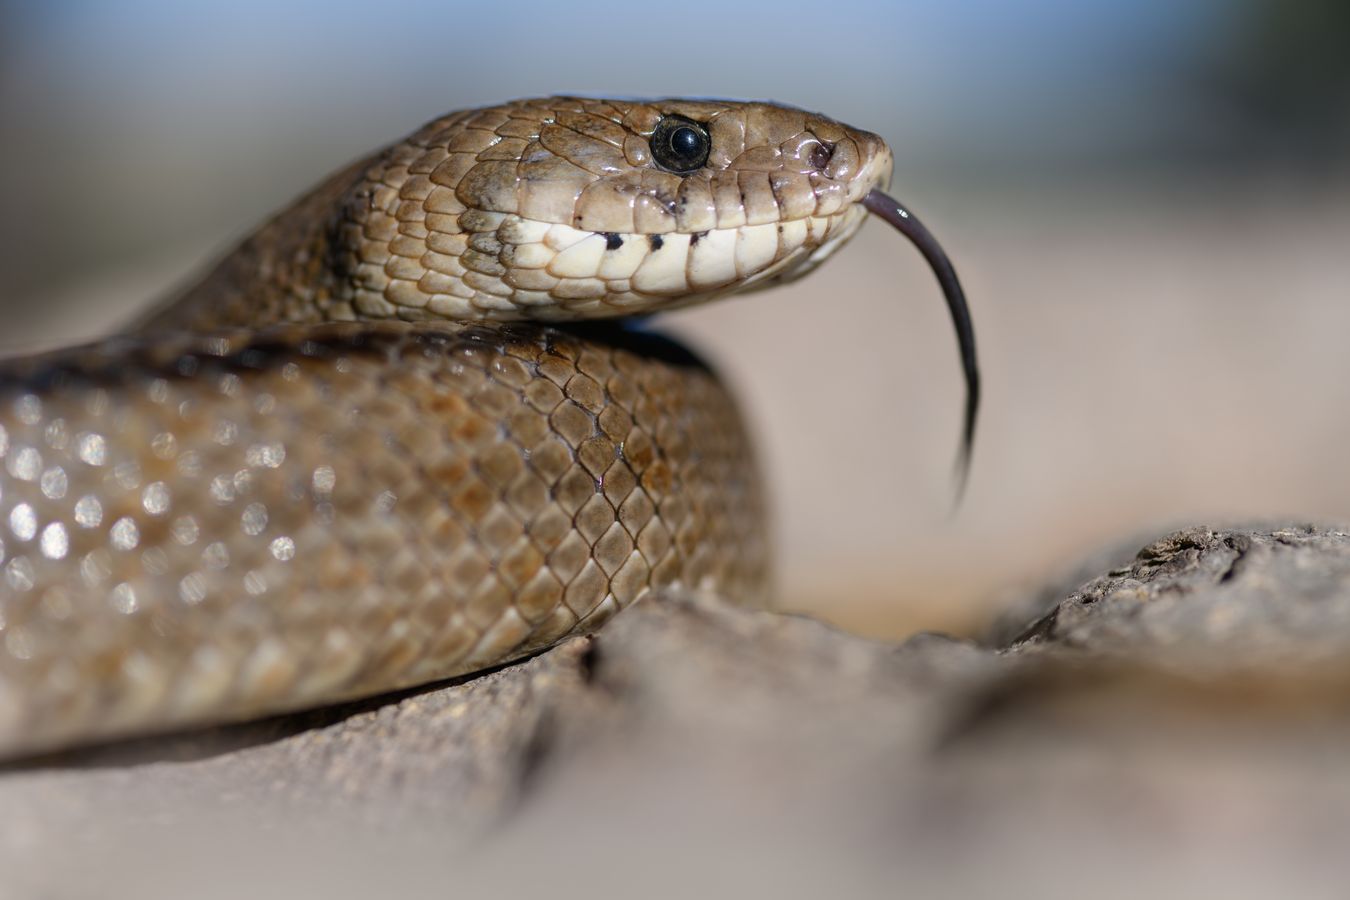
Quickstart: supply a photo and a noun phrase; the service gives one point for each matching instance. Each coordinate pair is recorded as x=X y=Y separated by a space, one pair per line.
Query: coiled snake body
x=327 y=471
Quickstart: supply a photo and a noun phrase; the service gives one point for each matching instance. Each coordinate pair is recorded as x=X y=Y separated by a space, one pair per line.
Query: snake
x=406 y=430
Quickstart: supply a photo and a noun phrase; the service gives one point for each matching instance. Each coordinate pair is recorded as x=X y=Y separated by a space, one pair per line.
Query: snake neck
x=287 y=271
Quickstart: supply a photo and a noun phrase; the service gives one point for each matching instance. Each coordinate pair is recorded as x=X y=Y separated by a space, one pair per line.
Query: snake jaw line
x=908 y=224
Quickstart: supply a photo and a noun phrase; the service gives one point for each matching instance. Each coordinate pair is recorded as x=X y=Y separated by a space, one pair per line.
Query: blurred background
x=1148 y=201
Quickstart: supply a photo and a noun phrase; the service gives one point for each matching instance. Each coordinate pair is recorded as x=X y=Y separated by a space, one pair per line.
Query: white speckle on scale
x=92 y=449
x=124 y=534
x=216 y=556
x=28 y=408
x=24 y=464
x=123 y=599
x=283 y=549
x=19 y=574
x=54 y=483
x=23 y=522
x=192 y=588
x=155 y=498
x=324 y=479
x=55 y=543
x=88 y=511
x=268 y=456
x=254 y=519
x=185 y=530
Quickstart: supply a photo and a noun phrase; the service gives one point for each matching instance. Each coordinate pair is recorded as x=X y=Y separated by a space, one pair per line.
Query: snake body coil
x=353 y=459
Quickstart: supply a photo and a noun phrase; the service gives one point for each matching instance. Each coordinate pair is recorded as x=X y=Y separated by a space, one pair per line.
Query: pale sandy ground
x=1150 y=360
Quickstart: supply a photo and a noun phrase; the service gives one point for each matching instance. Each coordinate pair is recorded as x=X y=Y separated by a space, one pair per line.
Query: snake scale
x=378 y=446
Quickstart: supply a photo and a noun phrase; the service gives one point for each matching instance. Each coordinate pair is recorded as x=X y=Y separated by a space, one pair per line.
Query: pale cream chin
x=515 y=268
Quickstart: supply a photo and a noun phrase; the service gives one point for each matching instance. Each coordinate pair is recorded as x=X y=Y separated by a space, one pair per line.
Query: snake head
x=567 y=208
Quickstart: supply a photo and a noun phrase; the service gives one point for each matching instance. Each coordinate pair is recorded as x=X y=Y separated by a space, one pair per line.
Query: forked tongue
x=905 y=222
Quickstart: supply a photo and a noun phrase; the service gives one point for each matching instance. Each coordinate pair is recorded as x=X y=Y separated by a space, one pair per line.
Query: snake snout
x=876 y=170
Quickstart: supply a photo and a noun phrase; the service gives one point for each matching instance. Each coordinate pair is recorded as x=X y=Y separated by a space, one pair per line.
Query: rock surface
x=1176 y=724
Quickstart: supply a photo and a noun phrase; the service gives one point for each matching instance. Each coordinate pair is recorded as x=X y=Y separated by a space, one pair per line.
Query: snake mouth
x=906 y=223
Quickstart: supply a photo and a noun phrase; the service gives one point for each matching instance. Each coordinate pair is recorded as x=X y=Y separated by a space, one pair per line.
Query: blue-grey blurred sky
x=934 y=74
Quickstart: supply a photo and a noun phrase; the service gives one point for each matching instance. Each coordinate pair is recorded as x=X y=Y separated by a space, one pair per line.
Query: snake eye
x=680 y=145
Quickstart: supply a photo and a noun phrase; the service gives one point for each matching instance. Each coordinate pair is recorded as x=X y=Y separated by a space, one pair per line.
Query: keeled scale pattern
x=223 y=527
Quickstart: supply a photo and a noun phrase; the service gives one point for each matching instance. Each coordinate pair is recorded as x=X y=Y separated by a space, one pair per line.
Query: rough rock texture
x=1177 y=725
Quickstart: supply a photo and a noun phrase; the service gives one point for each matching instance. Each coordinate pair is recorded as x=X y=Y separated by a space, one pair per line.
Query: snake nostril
x=821 y=154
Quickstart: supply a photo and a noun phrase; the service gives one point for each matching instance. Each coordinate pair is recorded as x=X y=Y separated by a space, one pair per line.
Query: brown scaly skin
x=451 y=222
x=203 y=529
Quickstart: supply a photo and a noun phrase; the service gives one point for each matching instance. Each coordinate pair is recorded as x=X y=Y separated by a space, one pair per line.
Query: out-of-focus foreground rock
x=1177 y=725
